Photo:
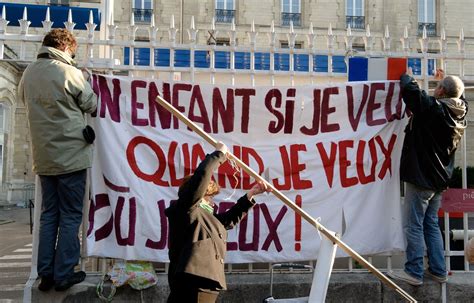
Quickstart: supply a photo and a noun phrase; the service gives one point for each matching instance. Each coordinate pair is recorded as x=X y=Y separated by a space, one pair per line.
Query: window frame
x=423 y=22
x=354 y=20
x=145 y=13
x=225 y=14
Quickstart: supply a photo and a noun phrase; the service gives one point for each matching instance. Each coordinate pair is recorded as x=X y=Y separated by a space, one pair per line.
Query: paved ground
x=15 y=253
x=15 y=262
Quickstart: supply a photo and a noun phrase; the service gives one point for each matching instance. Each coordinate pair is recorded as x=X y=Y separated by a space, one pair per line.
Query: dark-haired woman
x=198 y=235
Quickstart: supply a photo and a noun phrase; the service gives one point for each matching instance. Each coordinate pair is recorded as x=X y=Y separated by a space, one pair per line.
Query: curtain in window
x=291 y=6
x=354 y=7
x=142 y=4
x=225 y=4
x=426 y=11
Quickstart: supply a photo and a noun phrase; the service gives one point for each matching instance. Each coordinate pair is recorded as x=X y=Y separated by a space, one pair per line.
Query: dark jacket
x=432 y=136
x=197 y=238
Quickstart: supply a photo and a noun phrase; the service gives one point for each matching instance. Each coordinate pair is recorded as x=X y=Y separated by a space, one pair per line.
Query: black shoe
x=76 y=277
x=46 y=283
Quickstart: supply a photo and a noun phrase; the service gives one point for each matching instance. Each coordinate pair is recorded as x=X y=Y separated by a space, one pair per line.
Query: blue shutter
x=182 y=58
x=162 y=57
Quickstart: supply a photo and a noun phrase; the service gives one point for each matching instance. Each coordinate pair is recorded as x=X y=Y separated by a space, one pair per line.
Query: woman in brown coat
x=197 y=242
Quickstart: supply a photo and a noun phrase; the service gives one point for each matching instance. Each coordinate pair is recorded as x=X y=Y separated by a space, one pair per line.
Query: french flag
x=375 y=69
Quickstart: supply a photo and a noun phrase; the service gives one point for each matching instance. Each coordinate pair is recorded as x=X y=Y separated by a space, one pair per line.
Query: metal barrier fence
x=119 y=51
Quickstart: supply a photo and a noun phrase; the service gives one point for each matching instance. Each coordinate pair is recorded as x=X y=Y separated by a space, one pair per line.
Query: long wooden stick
x=323 y=230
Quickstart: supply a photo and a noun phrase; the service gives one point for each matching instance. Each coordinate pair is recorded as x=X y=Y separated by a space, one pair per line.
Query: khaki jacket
x=57 y=96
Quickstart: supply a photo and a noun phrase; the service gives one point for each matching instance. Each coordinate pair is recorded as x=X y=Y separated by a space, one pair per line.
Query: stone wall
x=469 y=132
x=17 y=152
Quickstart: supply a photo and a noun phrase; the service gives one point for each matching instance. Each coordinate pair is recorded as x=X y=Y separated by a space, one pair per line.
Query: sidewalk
x=253 y=288
x=14 y=213
x=243 y=288
x=15 y=252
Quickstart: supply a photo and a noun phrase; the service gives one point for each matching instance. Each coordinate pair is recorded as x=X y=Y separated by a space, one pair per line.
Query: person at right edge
x=432 y=136
x=197 y=235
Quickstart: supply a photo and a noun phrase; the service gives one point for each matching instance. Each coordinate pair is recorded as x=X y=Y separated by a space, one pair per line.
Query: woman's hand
x=222 y=148
x=257 y=189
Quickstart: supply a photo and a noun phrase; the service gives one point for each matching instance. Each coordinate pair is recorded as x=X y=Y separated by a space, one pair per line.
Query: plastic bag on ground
x=138 y=274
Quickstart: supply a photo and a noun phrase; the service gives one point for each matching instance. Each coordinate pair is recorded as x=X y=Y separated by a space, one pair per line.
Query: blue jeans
x=422 y=227
x=61 y=217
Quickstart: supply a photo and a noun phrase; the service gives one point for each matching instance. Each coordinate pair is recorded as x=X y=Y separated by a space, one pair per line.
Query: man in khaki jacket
x=57 y=96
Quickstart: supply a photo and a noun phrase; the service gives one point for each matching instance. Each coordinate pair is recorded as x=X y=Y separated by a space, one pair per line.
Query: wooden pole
x=323 y=230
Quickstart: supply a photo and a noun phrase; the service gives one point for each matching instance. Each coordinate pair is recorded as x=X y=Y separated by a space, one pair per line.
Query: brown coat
x=197 y=242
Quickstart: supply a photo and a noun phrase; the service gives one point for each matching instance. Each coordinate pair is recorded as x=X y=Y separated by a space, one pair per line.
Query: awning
x=58 y=14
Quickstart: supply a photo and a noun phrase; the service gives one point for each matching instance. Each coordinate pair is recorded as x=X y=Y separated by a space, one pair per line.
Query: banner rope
x=234 y=175
x=100 y=289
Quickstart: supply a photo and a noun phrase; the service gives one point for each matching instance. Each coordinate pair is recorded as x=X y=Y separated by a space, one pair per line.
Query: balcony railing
x=356 y=22
x=142 y=15
x=287 y=17
x=430 y=29
x=225 y=15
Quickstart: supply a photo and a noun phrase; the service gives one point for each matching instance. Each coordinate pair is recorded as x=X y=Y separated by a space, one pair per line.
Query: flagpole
x=323 y=230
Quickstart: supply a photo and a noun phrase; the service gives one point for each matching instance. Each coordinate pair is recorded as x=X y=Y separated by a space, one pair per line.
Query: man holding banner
x=197 y=236
x=57 y=96
x=427 y=162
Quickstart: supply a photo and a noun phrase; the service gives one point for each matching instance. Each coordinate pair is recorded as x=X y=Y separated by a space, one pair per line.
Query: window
x=59 y=2
x=212 y=40
x=225 y=11
x=427 y=17
x=142 y=10
x=358 y=47
x=355 y=14
x=298 y=44
x=290 y=11
x=221 y=42
x=142 y=38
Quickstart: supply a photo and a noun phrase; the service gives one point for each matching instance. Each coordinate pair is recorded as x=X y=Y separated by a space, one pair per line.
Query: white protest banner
x=333 y=149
